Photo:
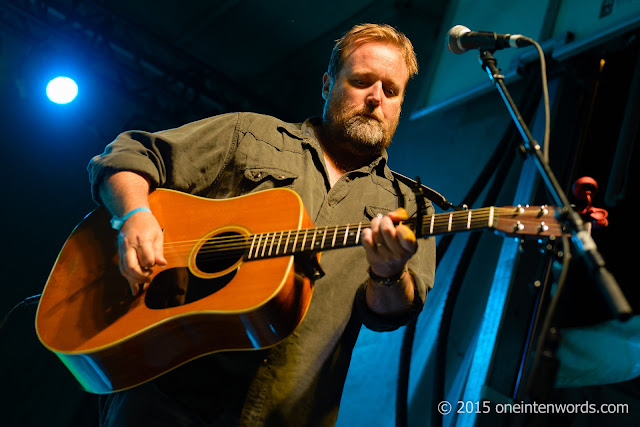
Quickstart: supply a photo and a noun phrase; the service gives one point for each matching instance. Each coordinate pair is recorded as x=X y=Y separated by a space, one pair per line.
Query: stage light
x=62 y=90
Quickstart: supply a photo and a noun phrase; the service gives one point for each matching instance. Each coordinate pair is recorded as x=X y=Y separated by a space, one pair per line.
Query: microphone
x=461 y=39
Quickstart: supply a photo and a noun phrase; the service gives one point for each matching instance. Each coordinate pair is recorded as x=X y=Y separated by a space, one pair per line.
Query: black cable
x=545 y=365
x=34 y=299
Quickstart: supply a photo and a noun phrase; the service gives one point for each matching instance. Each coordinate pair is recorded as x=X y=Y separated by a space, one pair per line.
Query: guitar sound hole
x=178 y=286
x=220 y=252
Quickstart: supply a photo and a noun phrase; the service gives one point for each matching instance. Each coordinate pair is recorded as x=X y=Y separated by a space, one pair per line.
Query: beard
x=358 y=131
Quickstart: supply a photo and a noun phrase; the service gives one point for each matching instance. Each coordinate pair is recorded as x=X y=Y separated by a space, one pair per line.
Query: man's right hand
x=140 y=238
x=140 y=249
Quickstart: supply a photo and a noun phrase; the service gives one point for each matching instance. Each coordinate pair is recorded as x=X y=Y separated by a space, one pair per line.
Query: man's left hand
x=389 y=246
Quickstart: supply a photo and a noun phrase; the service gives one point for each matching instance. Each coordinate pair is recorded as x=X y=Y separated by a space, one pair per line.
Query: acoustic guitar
x=231 y=282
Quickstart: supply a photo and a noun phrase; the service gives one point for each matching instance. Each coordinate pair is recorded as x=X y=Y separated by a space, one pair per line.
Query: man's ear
x=326 y=86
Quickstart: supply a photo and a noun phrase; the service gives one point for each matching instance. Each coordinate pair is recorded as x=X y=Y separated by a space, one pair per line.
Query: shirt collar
x=378 y=165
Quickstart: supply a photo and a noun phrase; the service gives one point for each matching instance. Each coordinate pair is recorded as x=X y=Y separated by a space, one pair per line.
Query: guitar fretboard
x=291 y=242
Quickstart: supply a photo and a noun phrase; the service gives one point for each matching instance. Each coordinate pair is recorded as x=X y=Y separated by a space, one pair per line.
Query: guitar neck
x=291 y=242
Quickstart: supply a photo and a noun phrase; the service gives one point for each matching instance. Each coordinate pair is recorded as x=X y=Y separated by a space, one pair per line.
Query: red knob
x=584 y=188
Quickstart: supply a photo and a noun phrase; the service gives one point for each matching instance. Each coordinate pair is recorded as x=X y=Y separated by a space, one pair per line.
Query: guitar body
x=111 y=340
x=230 y=282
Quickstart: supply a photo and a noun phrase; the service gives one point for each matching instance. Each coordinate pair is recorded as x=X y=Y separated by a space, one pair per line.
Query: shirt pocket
x=371 y=211
x=265 y=178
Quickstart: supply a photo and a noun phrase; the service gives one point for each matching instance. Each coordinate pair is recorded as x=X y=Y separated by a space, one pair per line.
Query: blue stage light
x=62 y=90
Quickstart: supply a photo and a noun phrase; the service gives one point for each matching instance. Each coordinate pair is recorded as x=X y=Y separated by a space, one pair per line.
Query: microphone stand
x=582 y=240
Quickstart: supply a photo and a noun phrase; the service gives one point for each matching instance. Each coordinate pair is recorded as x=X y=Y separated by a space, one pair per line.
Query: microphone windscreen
x=453 y=37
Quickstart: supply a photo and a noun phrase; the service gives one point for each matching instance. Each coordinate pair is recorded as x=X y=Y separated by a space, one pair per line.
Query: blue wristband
x=116 y=223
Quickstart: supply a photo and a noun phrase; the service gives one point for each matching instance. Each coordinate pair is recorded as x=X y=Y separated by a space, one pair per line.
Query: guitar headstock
x=522 y=221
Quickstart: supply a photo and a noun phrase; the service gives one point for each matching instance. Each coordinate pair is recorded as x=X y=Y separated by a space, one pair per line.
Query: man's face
x=363 y=104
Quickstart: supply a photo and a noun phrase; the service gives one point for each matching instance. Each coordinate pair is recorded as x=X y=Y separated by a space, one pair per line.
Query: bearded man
x=337 y=165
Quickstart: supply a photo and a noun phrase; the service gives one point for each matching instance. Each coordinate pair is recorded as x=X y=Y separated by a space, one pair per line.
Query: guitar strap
x=401 y=201
x=431 y=194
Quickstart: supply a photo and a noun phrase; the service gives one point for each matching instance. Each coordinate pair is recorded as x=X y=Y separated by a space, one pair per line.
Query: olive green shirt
x=299 y=381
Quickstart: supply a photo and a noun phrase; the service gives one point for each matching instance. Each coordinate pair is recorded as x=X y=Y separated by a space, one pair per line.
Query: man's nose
x=374 y=97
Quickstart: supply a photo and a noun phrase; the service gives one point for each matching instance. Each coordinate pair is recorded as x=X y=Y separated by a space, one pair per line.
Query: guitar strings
x=242 y=241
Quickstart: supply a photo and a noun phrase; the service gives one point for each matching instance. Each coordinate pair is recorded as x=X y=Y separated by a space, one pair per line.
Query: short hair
x=363 y=33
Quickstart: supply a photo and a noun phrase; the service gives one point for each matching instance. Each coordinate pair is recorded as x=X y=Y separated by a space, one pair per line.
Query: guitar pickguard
x=179 y=286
